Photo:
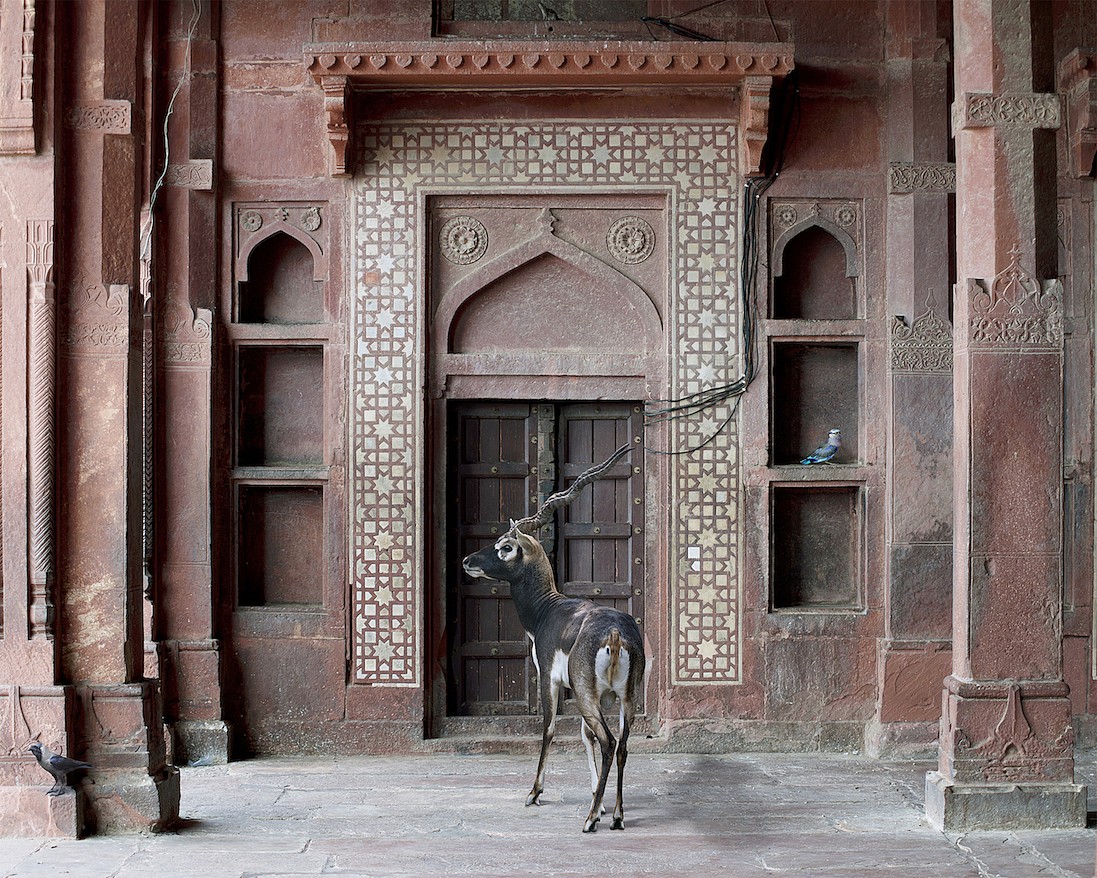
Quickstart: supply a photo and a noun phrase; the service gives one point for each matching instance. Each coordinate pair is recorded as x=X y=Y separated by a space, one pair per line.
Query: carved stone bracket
x=921 y=177
x=984 y=110
x=751 y=68
x=753 y=122
x=1078 y=81
x=337 y=105
x=923 y=346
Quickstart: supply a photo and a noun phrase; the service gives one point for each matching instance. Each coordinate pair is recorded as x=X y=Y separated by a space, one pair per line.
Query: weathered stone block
x=956 y=807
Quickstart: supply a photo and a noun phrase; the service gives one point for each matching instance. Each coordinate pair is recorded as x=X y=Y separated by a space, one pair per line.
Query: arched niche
x=281 y=279
x=815 y=267
x=549 y=296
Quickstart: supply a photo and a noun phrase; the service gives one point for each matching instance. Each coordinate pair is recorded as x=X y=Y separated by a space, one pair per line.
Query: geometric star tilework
x=398 y=162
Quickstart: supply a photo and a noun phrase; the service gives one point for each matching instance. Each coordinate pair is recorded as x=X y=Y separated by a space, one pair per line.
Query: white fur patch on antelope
x=602 y=662
x=506 y=548
x=559 y=672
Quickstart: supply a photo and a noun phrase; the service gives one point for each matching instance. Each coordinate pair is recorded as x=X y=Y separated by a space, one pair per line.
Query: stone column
x=186 y=249
x=100 y=601
x=1006 y=744
x=914 y=652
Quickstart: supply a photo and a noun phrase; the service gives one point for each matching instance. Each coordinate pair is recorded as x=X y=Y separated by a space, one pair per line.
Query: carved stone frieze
x=1012 y=752
x=921 y=177
x=186 y=334
x=923 y=346
x=97 y=319
x=29 y=713
x=195 y=174
x=109 y=117
x=1016 y=309
x=984 y=110
x=688 y=62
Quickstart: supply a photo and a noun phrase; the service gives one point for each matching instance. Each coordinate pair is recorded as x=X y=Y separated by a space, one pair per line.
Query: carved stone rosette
x=41 y=393
x=1015 y=310
x=925 y=346
x=630 y=240
x=463 y=240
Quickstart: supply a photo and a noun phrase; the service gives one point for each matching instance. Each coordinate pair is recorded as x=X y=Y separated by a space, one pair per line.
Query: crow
x=61 y=767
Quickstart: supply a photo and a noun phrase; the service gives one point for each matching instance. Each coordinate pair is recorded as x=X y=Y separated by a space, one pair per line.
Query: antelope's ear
x=526 y=541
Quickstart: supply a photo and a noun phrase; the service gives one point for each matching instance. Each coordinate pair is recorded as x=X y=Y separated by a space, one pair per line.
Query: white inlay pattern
x=695 y=164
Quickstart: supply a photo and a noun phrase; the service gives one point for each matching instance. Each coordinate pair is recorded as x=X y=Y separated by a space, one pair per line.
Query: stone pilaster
x=100 y=594
x=914 y=652
x=1006 y=744
x=189 y=650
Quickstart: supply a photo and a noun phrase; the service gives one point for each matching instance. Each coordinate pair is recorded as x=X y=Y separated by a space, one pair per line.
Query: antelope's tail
x=613 y=645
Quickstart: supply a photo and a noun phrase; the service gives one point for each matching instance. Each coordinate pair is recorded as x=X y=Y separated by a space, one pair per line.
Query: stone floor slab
x=739 y=815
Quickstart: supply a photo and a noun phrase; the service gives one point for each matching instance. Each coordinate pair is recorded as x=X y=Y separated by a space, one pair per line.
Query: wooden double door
x=505 y=458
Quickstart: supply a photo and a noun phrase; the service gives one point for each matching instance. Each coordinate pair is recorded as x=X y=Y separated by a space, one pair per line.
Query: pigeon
x=61 y=767
x=826 y=451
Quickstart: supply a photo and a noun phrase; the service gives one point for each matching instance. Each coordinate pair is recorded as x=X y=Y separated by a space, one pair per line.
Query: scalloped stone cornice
x=750 y=68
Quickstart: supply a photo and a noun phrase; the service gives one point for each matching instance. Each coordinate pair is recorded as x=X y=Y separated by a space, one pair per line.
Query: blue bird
x=825 y=452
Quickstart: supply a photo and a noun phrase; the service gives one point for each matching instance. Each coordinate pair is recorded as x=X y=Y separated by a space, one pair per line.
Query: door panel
x=491 y=670
x=505 y=458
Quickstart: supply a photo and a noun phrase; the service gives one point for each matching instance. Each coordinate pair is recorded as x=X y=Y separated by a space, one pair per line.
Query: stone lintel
x=958 y=807
x=749 y=68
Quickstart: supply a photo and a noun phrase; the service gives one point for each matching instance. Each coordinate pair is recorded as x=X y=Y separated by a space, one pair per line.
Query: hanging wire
x=146 y=235
x=786 y=110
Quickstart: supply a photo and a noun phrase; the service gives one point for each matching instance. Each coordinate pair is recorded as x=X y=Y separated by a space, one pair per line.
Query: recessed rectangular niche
x=280 y=416
x=815 y=547
x=281 y=546
x=815 y=390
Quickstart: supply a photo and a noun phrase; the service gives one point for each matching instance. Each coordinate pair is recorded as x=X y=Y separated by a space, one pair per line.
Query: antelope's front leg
x=549 y=694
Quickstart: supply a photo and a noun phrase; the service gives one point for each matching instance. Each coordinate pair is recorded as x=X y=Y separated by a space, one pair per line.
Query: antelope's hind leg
x=627 y=713
x=588 y=739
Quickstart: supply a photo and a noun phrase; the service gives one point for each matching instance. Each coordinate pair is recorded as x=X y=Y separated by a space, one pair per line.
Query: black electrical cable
x=786 y=113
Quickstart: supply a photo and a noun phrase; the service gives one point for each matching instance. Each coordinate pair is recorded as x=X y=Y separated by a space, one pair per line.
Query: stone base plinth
x=27 y=812
x=960 y=807
x=121 y=802
x=200 y=742
x=901 y=740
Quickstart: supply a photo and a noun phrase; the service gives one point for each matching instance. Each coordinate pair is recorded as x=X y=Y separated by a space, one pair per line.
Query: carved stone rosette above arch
x=749 y=68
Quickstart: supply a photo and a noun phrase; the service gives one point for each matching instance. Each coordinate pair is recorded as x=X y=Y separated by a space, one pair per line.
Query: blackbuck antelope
x=597 y=652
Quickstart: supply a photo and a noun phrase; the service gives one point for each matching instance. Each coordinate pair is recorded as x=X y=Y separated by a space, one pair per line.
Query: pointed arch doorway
x=542 y=347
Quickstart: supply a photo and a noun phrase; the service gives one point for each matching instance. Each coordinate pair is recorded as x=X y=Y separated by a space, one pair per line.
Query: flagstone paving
x=737 y=815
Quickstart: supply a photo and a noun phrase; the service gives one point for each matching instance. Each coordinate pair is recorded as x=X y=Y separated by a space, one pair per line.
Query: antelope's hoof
x=618 y=823
x=591 y=825
x=534 y=798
